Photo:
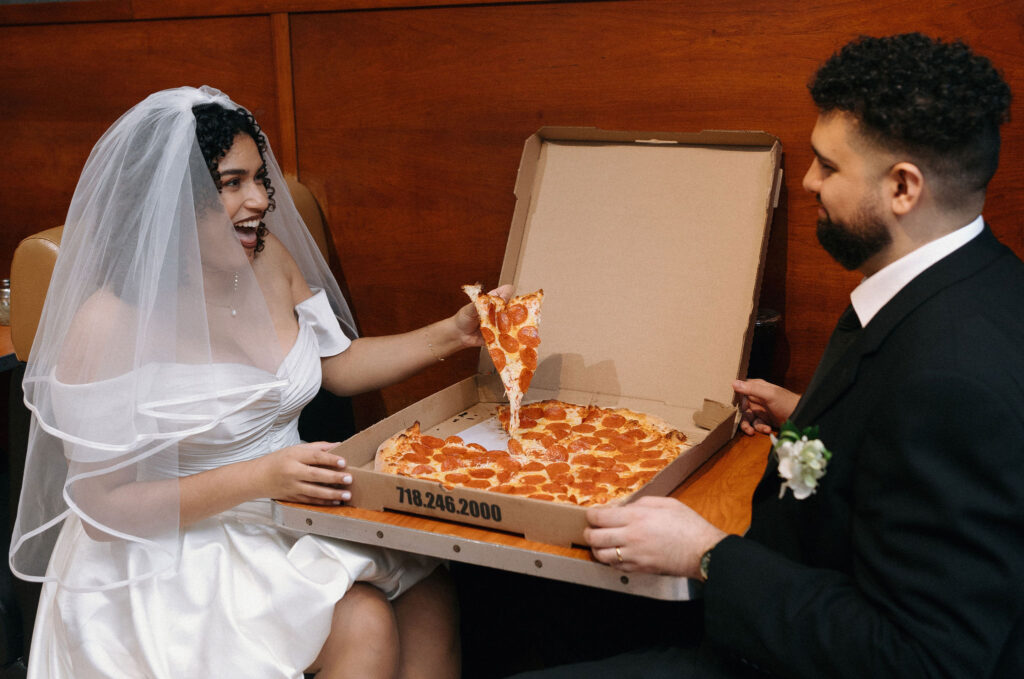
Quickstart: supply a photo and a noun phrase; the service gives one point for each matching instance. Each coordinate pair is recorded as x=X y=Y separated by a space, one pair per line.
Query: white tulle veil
x=154 y=329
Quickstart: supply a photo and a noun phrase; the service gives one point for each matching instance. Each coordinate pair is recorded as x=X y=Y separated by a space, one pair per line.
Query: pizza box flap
x=650 y=247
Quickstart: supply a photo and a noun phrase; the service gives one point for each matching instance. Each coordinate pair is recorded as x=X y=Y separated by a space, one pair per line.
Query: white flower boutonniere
x=802 y=459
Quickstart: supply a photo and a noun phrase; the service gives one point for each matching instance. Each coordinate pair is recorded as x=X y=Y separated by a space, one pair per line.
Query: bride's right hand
x=307 y=473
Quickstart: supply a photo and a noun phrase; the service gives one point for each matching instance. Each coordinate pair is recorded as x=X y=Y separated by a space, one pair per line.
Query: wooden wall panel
x=409 y=118
x=62 y=86
x=411 y=122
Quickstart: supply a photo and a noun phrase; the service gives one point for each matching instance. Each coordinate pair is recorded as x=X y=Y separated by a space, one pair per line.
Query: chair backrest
x=35 y=256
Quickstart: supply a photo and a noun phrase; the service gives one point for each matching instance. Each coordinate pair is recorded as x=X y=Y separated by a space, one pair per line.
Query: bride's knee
x=364 y=613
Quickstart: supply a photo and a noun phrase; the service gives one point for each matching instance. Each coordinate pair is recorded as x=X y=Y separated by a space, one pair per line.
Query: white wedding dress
x=248 y=598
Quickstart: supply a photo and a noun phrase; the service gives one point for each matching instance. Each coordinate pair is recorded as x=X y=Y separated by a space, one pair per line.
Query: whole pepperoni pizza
x=583 y=455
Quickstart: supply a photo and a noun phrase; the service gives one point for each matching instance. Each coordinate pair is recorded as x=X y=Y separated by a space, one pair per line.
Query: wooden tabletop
x=719 y=490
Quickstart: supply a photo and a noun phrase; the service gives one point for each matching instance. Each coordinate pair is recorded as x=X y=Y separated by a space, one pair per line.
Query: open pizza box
x=649 y=247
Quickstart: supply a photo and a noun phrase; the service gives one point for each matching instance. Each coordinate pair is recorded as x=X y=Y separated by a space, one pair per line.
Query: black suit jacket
x=909 y=559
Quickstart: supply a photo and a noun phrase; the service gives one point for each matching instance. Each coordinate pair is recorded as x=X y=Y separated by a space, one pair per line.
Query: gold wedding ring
x=618 y=553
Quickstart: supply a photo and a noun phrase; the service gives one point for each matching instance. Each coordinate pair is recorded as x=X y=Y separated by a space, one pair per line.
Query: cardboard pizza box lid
x=650 y=248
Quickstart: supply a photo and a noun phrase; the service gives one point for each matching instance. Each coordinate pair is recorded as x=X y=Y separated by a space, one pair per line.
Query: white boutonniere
x=802 y=459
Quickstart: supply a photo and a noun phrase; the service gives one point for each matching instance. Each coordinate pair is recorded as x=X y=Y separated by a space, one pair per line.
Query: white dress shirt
x=876 y=290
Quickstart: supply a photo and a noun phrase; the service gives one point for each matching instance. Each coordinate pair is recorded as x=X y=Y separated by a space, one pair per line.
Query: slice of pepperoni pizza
x=511 y=332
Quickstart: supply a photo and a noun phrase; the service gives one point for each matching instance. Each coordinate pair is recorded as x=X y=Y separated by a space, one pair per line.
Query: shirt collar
x=876 y=290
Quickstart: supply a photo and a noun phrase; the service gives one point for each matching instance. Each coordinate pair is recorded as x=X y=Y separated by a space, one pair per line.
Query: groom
x=907 y=559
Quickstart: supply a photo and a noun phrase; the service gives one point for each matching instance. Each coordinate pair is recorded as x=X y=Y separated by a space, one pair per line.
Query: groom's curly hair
x=935 y=101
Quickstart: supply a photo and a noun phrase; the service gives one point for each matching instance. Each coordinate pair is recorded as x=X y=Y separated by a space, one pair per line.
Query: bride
x=189 y=319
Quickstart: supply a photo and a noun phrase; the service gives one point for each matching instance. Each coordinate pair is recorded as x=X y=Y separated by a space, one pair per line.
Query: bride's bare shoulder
x=285 y=269
x=98 y=336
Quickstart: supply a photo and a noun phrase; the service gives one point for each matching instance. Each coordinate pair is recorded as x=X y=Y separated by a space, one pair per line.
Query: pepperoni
x=534 y=435
x=432 y=441
x=515 y=447
x=585 y=459
x=529 y=336
x=560 y=434
x=498 y=358
x=604 y=462
x=554 y=488
x=456 y=478
x=421 y=470
x=504 y=475
x=578 y=446
x=526 y=422
x=606 y=448
x=524 y=380
x=533 y=466
x=656 y=463
x=492 y=314
x=533 y=479
x=628 y=457
x=541 y=496
x=649 y=454
x=556 y=468
x=635 y=434
x=624 y=445
x=450 y=462
x=606 y=433
x=591 y=441
x=554 y=412
x=476 y=447
x=421 y=449
x=416 y=458
x=488 y=335
x=508 y=343
x=477 y=483
x=517 y=313
x=557 y=452
x=584 y=429
x=528 y=356
x=561 y=429
x=613 y=421
x=482 y=473
x=503 y=488
x=503 y=322
x=523 y=490
x=531 y=412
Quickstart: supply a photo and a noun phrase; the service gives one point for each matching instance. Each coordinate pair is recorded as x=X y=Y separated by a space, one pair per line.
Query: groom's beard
x=855 y=242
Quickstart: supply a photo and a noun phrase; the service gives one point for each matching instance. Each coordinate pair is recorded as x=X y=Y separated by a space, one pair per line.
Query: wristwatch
x=705 y=562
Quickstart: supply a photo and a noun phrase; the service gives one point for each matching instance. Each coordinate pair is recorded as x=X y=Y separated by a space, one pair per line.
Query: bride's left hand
x=468 y=322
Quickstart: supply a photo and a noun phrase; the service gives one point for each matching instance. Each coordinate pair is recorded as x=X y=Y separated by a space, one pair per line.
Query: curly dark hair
x=935 y=101
x=216 y=129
